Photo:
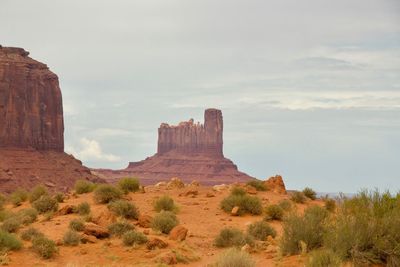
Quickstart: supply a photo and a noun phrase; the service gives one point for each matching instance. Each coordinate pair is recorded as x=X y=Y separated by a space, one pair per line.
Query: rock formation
x=32 y=126
x=190 y=151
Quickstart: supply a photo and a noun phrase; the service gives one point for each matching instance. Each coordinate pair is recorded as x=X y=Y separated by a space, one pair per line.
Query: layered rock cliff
x=190 y=151
x=32 y=126
x=31 y=113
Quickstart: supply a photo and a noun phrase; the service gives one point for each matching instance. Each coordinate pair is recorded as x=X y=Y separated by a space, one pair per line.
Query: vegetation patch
x=59 y=197
x=124 y=209
x=18 y=197
x=323 y=258
x=82 y=208
x=106 y=193
x=246 y=203
x=37 y=192
x=31 y=233
x=131 y=238
x=298 y=197
x=235 y=258
x=120 y=228
x=310 y=193
x=83 y=186
x=164 y=221
x=261 y=230
x=232 y=237
x=45 y=204
x=9 y=241
x=77 y=225
x=165 y=203
x=129 y=185
x=46 y=248
x=258 y=185
x=11 y=224
x=71 y=238
x=273 y=212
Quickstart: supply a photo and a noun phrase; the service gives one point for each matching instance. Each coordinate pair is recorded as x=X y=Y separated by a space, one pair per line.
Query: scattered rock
x=194 y=183
x=67 y=209
x=251 y=190
x=179 y=233
x=49 y=184
x=156 y=243
x=209 y=194
x=235 y=211
x=104 y=219
x=145 y=221
x=246 y=248
x=175 y=183
x=168 y=258
x=146 y=231
x=220 y=187
x=190 y=192
x=96 y=230
x=160 y=184
x=276 y=184
x=88 y=239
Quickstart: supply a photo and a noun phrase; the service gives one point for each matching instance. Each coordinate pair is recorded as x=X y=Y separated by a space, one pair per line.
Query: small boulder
x=210 y=194
x=104 y=218
x=160 y=184
x=179 y=233
x=175 y=183
x=276 y=184
x=88 y=239
x=67 y=209
x=190 y=193
x=145 y=220
x=156 y=243
x=168 y=258
x=235 y=211
x=251 y=190
x=194 y=183
x=220 y=187
x=96 y=230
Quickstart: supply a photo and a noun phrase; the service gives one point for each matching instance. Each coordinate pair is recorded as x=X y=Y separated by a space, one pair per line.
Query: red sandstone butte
x=190 y=151
x=32 y=126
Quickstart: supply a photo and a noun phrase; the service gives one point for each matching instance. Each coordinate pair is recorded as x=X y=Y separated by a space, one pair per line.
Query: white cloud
x=90 y=150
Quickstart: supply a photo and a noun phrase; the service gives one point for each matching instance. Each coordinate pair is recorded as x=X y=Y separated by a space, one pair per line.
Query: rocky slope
x=190 y=151
x=32 y=126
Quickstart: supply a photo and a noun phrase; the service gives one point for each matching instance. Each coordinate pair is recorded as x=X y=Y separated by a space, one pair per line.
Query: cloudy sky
x=309 y=89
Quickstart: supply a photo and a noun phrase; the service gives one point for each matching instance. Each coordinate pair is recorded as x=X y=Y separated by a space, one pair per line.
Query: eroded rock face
x=190 y=138
x=189 y=151
x=276 y=184
x=31 y=113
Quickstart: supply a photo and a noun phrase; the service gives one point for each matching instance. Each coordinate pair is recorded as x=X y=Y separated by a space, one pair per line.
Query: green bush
x=59 y=197
x=37 y=192
x=45 y=204
x=83 y=186
x=246 y=204
x=232 y=237
x=27 y=216
x=31 y=233
x=131 y=238
x=120 y=228
x=124 y=209
x=298 y=197
x=3 y=200
x=164 y=203
x=258 y=185
x=164 y=221
x=238 y=191
x=323 y=258
x=82 y=209
x=71 y=238
x=330 y=204
x=285 y=204
x=11 y=224
x=106 y=193
x=5 y=214
x=311 y=194
x=129 y=185
x=235 y=258
x=261 y=230
x=309 y=228
x=45 y=247
x=18 y=196
x=9 y=241
x=366 y=229
x=77 y=225
x=273 y=212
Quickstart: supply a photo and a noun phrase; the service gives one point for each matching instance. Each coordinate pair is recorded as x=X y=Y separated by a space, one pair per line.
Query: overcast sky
x=308 y=89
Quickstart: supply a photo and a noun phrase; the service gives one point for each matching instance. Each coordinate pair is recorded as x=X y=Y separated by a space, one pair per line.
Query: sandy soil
x=200 y=214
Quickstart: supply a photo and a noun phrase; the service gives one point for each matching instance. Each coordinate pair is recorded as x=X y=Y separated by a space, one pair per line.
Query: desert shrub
x=45 y=247
x=71 y=238
x=11 y=224
x=330 y=204
x=232 y=237
x=164 y=203
x=323 y=258
x=106 y=193
x=77 y=225
x=9 y=241
x=131 y=238
x=238 y=191
x=311 y=194
x=164 y=221
x=258 y=185
x=5 y=214
x=18 y=196
x=235 y=258
x=37 y=192
x=124 y=209
x=27 y=216
x=285 y=204
x=308 y=229
x=120 y=228
x=82 y=208
x=367 y=229
x=83 y=186
x=298 y=197
x=261 y=230
x=59 y=197
x=45 y=204
x=3 y=200
x=129 y=185
x=246 y=204
x=30 y=234
x=273 y=212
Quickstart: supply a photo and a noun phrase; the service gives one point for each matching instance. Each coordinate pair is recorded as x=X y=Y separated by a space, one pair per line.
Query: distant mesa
x=190 y=151
x=32 y=126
